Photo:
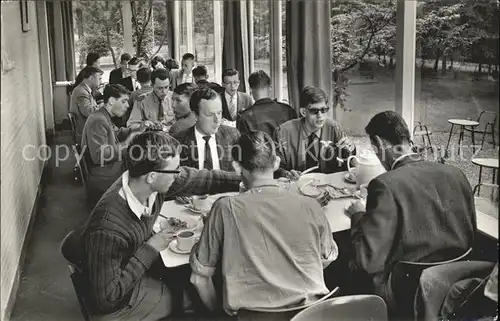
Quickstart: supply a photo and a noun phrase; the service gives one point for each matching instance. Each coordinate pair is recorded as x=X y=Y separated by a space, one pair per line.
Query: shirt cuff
x=199 y=268
x=355 y=218
x=146 y=254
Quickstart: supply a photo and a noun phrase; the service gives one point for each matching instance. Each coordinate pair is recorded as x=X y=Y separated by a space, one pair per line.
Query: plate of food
x=309 y=188
x=176 y=224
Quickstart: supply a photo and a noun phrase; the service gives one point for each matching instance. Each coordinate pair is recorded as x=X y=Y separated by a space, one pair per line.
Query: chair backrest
x=353 y=307
x=82 y=166
x=72 y=250
x=72 y=121
x=300 y=307
x=486 y=117
x=404 y=280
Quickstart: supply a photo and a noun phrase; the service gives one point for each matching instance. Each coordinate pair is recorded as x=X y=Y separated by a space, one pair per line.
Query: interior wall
x=22 y=128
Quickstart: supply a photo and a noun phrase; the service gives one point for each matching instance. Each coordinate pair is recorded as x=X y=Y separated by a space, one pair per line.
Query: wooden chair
x=72 y=249
x=82 y=167
x=404 y=281
x=72 y=121
x=352 y=307
x=489 y=120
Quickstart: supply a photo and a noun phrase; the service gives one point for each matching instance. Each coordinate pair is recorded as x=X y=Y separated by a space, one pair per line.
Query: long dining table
x=334 y=211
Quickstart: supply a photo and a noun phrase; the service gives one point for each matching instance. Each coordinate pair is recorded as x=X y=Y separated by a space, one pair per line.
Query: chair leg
x=473 y=143
x=492 y=134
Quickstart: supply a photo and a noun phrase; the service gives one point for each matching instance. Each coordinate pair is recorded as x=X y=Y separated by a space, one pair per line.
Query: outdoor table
x=462 y=123
x=488 y=163
x=334 y=212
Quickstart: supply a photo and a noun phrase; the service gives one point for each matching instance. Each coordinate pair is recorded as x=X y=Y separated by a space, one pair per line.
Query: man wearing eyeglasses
x=127 y=279
x=233 y=101
x=154 y=107
x=312 y=140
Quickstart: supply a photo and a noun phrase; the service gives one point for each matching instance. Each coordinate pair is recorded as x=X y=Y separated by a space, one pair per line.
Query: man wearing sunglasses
x=312 y=140
x=126 y=276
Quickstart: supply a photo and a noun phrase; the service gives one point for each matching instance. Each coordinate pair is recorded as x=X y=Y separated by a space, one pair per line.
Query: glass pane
x=456 y=76
x=183 y=30
x=262 y=30
x=204 y=35
x=363 y=37
x=284 y=90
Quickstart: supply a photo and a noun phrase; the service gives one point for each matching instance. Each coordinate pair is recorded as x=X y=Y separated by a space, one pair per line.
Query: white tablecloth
x=334 y=212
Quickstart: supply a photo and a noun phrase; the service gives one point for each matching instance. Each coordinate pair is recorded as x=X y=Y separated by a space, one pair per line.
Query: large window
x=261 y=36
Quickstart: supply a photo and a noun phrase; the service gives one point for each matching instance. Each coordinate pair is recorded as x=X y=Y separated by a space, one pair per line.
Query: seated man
x=116 y=75
x=233 y=101
x=185 y=74
x=313 y=140
x=103 y=144
x=155 y=106
x=266 y=114
x=207 y=144
x=122 y=260
x=418 y=211
x=184 y=117
x=200 y=74
x=272 y=244
x=82 y=102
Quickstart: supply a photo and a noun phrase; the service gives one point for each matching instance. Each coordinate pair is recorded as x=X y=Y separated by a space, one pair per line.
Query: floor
x=45 y=291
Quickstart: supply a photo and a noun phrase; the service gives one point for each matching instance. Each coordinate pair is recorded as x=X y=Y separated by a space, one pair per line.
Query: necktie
x=161 y=112
x=208 y=164
x=232 y=107
x=311 y=157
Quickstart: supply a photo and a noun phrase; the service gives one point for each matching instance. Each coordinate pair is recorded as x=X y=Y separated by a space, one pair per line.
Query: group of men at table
x=270 y=247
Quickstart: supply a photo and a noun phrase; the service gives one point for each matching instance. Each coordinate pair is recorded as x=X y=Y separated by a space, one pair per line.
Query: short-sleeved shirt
x=273 y=245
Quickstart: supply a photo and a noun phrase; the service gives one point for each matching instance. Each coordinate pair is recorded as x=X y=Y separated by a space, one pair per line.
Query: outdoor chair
x=404 y=280
x=71 y=249
x=487 y=121
x=352 y=307
x=421 y=130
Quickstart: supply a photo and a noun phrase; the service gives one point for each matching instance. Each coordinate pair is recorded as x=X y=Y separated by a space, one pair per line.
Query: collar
x=137 y=208
x=229 y=97
x=199 y=135
x=87 y=87
x=259 y=185
x=306 y=132
x=145 y=86
x=401 y=158
x=265 y=100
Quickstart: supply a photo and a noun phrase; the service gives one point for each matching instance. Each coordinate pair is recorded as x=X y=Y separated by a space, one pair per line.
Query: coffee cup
x=200 y=202
x=185 y=240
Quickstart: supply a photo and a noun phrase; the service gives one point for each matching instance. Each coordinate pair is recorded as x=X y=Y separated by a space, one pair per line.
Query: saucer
x=349 y=179
x=175 y=249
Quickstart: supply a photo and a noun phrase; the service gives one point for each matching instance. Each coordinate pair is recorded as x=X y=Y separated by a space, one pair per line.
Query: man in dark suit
x=233 y=101
x=116 y=75
x=208 y=144
x=313 y=140
x=266 y=114
x=417 y=211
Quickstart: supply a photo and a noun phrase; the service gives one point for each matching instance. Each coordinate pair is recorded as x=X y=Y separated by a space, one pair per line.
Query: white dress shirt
x=187 y=77
x=200 y=142
x=137 y=208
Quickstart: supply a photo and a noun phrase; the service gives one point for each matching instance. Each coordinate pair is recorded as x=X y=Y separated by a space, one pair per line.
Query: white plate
x=348 y=178
x=173 y=247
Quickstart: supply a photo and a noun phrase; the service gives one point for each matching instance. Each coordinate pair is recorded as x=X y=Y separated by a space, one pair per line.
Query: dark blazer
x=265 y=115
x=115 y=76
x=291 y=143
x=226 y=137
x=244 y=101
x=420 y=211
